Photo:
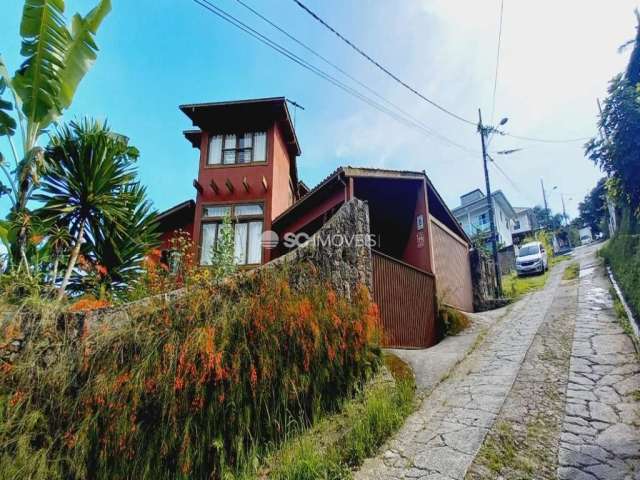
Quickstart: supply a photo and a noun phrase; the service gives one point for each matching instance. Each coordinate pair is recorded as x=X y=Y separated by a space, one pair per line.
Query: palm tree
x=119 y=254
x=58 y=241
x=56 y=59
x=89 y=168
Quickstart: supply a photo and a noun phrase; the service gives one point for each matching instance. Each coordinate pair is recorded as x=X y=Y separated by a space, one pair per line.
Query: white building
x=524 y=225
x=473 y=215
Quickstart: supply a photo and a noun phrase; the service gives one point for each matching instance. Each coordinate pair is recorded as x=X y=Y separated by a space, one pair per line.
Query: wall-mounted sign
x=420 y=222
x=420 y=239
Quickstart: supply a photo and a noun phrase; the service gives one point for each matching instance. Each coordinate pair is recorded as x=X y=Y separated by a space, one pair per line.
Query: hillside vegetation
x=193 y=389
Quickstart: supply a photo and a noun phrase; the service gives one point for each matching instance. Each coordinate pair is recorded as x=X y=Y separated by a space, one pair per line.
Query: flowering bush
x=190 y=389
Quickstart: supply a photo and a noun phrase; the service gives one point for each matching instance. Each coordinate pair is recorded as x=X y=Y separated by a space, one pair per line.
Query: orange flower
x=179 y=384
x=87 y=304
x=16 y=398
x=305 y=309
x=331 y=298
x=197 y=403
x=70 y=439
x=253 y=377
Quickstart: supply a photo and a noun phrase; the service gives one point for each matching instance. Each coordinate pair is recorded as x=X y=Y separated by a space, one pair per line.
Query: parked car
x=532 y=258
x=585 y=236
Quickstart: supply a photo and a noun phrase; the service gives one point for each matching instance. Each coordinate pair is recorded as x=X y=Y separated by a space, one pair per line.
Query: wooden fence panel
x=406 y=297
x=452 y=268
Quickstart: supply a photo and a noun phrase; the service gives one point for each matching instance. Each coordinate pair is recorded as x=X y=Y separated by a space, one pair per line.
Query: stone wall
x=338 y=253
x=507 y=259
x=339 y=250
x=484 y=282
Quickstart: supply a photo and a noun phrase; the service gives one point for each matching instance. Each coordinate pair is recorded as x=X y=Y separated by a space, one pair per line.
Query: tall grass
x=192 y=389
x=514 y=286
x=339 y=443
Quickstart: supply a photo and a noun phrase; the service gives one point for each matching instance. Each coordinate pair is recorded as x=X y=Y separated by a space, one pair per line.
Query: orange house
x=247 y=170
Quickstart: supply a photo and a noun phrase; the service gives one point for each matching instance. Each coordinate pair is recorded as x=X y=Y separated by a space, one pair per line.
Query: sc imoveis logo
x=271 y=240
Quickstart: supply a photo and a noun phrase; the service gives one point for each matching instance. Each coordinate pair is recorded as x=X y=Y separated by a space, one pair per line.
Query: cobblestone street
x=601 y=434
x=551 y=392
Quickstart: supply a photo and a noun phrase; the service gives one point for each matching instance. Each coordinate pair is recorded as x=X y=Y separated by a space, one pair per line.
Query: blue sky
x=555 y=61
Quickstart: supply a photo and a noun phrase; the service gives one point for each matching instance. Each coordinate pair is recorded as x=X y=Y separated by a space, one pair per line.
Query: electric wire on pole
x=484 y=131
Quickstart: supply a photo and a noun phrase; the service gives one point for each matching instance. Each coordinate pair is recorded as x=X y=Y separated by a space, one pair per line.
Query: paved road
x=442 y=438
x=601 y=433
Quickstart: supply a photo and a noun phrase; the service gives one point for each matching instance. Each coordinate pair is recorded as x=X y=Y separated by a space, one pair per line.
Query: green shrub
x=192 y=389
x=571 y=272
x=514 y=286
x=451 y=320
x=622 y=254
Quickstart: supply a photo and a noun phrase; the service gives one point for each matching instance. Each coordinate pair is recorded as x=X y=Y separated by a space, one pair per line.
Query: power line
x=546 y=140
x=495 y=81
x=384 y=69
x=413 y=90
x=324 y=75
x=351 y=77
x=509 y=179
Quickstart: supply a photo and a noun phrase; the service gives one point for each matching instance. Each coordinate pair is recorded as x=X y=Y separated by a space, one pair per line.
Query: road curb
x=632 y=321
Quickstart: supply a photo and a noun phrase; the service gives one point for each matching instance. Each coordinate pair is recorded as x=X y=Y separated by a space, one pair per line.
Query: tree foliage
x=617 y=150
x=56 y=59
x=593 y=209
x=89 y=187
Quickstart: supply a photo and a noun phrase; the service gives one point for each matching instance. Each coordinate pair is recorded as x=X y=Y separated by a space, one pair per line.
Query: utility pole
x=547 y=214
x=492 y=224
x=544 y=195
x=564 y=210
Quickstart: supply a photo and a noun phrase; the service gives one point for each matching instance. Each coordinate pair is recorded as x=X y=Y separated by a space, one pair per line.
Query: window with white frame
x=237 y=148
x=247 y=226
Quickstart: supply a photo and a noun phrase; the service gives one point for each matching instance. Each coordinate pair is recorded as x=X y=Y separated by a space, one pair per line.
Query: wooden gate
x=406 y=297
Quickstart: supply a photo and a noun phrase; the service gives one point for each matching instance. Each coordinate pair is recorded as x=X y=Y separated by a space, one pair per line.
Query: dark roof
x=303 y=188
x=380 y=173
x=230 y=116
x=194 y=137
x=177 y=216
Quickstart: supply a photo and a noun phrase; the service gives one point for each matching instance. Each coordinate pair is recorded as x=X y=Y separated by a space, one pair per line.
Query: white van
x=532 y=258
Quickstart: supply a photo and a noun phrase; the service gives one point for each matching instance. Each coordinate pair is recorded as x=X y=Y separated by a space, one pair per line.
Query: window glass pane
x=208 y=240
x=229 y=141
x=241 y=243
x=244 y=210
x=255 y=243
x=215 y=150
x=229 y=156
x=260 y=147
x=244 y=156
x=217 y=211
x=246 y=140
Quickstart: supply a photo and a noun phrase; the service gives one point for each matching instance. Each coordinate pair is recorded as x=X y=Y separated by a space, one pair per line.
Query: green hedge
x=191 y=390
x=622 y=254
